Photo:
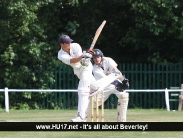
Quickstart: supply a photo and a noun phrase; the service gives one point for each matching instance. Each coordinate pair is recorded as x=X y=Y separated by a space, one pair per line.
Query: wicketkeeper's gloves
x=121 y=86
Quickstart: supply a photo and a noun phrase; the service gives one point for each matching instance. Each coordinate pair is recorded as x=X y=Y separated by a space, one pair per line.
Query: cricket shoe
x=78 y=119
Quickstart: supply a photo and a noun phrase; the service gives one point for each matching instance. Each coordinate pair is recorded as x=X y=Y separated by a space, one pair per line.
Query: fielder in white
x=71 y=54
x=102 y=68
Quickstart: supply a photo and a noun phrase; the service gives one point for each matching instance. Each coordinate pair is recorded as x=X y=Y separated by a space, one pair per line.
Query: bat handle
x=91 y=47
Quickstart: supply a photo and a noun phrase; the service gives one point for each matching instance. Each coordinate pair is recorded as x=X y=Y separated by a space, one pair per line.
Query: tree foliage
x=137 y=31
x=157 y=30
x=26 y=56
x=24 y=49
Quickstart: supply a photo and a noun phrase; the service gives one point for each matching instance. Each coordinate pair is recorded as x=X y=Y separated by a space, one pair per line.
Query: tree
x=26 y=60
x=24 y=50
x=157 y=31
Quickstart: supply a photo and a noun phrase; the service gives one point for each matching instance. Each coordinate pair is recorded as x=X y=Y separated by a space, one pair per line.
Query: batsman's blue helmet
x=97 y=53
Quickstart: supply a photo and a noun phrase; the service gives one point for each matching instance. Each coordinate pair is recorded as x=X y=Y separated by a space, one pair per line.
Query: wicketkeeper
x=102 y=68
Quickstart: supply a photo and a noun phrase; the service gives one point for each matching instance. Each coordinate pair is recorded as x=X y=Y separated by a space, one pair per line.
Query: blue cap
x=65 y=39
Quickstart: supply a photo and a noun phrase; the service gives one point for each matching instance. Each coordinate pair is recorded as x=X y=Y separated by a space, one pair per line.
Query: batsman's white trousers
x=85 y=76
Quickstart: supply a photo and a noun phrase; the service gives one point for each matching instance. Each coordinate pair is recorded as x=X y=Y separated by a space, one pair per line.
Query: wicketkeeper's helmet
x=97 y=53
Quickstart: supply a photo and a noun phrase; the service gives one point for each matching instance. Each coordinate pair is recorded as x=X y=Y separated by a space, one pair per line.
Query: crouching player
x=105 y=71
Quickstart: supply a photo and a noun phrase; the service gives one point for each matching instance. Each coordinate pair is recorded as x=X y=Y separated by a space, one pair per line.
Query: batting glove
x=85 y=61
x=86 y=55
x=90 y=51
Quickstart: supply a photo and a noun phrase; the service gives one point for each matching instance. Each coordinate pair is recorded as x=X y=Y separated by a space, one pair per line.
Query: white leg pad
x=122 y=107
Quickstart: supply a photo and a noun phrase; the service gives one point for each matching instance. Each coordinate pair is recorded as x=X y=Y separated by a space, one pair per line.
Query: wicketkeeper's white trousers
x=107 y=92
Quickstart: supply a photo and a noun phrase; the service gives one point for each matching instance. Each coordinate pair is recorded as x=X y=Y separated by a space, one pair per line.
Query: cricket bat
x=99 y=30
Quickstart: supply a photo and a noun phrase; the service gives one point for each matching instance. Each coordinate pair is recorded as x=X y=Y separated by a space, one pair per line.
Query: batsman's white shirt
x=75 y=51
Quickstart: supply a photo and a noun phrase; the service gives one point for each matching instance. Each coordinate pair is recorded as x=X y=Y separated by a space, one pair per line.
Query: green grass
x=133 y=115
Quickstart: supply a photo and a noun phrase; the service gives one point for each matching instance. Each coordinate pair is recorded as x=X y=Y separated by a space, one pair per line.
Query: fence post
x=167 y=100
x=6 y=100
x=180 y=99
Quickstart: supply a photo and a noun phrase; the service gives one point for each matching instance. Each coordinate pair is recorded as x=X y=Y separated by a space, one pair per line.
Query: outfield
x=133 y=115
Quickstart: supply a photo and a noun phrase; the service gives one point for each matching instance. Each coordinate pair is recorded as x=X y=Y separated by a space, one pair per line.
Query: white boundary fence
x=6 y=93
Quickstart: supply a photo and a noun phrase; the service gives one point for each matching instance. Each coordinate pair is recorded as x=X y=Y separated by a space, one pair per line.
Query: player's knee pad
x=84 y=87
x=122 y=107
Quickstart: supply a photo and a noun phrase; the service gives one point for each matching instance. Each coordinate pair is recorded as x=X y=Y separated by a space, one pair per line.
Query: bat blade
x=99 y=30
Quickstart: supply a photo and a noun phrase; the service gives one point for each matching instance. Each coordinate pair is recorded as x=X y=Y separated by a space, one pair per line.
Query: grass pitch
x=133 y=115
